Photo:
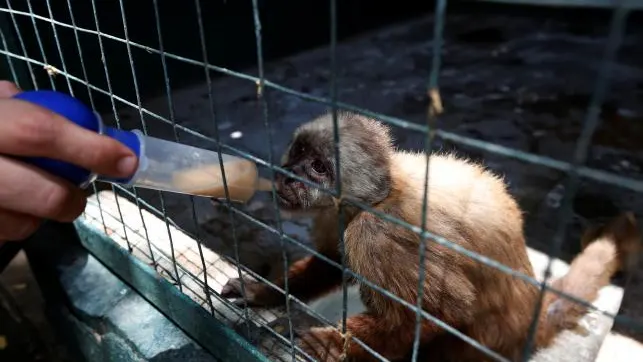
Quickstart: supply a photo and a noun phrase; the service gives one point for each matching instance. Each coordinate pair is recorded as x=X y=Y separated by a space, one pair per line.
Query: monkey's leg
x=307 y=278
x=327 y=344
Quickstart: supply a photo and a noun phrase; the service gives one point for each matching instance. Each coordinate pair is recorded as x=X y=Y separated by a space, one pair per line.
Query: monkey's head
x=365 y=149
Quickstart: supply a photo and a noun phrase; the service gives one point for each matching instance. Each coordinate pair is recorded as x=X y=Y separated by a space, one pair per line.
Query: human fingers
x=29 y=190
x=8 y=89
x=30 y=130
x=15 y=226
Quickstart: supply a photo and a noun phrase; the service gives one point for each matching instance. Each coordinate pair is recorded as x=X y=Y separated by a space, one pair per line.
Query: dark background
x=287 y=26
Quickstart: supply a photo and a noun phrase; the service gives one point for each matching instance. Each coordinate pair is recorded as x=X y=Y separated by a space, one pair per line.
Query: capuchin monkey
x=467 y=205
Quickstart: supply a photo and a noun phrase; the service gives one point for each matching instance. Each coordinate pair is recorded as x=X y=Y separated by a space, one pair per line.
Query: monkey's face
x=306 y=159
x=364 y=163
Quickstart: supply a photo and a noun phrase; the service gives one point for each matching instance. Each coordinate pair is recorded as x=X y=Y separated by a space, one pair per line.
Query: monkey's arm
x=327 y=344
x=307 y=278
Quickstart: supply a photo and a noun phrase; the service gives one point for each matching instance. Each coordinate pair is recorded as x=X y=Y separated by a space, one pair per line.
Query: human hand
x=28 y=194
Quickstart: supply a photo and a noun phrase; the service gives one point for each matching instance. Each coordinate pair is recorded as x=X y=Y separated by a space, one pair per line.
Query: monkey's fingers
x=256 y=293
x=324 y=344
x=242 y=303
x=232 y=289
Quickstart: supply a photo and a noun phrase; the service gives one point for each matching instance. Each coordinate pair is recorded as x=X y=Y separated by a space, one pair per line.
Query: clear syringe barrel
x=180 y=168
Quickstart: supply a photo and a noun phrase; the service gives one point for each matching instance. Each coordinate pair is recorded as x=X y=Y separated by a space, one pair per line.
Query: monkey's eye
x=318 y=167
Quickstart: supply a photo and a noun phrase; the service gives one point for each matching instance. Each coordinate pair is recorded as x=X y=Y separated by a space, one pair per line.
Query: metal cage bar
x=261 y=94
x=586 y=172
x=85 y=76
x=22 y=43
x=413 y=228
x=168 y=93
x=432 y=112
x=145 y=131
x=38 y=39
x=575 y=169
x=617 y=30
x=215 y=118
x=111 y=94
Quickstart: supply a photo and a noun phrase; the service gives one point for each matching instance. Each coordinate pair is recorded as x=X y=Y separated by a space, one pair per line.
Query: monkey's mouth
x=286 y=201
x=282 y=200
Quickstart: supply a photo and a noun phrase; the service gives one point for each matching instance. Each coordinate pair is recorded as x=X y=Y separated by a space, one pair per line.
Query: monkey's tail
x=607 y=249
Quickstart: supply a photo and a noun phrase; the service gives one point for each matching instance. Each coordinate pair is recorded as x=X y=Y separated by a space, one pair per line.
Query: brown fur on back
x=471 y=207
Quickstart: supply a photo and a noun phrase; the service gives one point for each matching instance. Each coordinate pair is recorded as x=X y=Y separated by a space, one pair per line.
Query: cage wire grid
x=195 y=280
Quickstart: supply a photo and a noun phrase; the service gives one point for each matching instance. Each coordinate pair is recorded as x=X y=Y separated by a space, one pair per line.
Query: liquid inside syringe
x=241 y=179
x=180 y=168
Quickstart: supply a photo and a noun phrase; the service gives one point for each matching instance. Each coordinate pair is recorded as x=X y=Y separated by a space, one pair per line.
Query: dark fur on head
x=365 y=148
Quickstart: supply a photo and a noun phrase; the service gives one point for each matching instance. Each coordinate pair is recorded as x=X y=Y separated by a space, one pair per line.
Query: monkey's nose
x=285 y=179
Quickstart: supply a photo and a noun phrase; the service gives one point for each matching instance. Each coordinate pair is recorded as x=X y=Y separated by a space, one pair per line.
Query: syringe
x=163 y=165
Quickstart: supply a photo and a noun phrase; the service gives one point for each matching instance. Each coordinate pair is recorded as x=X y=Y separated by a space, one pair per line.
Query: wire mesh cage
x=168 y=232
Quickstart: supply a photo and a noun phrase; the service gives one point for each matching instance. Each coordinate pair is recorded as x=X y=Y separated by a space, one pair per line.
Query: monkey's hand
x=300 y=274
x=257 y=294
x=324 y=344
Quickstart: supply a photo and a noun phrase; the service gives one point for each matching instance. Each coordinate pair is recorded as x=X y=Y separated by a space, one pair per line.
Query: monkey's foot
x=257 y=294
x=325 y=344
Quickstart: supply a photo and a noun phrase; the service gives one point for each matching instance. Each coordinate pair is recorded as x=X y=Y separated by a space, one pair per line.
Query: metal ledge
x=218 y=339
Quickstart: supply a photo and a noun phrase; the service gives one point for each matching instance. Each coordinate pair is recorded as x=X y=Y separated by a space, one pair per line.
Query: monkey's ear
x=382 y=129
x=285 y=155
